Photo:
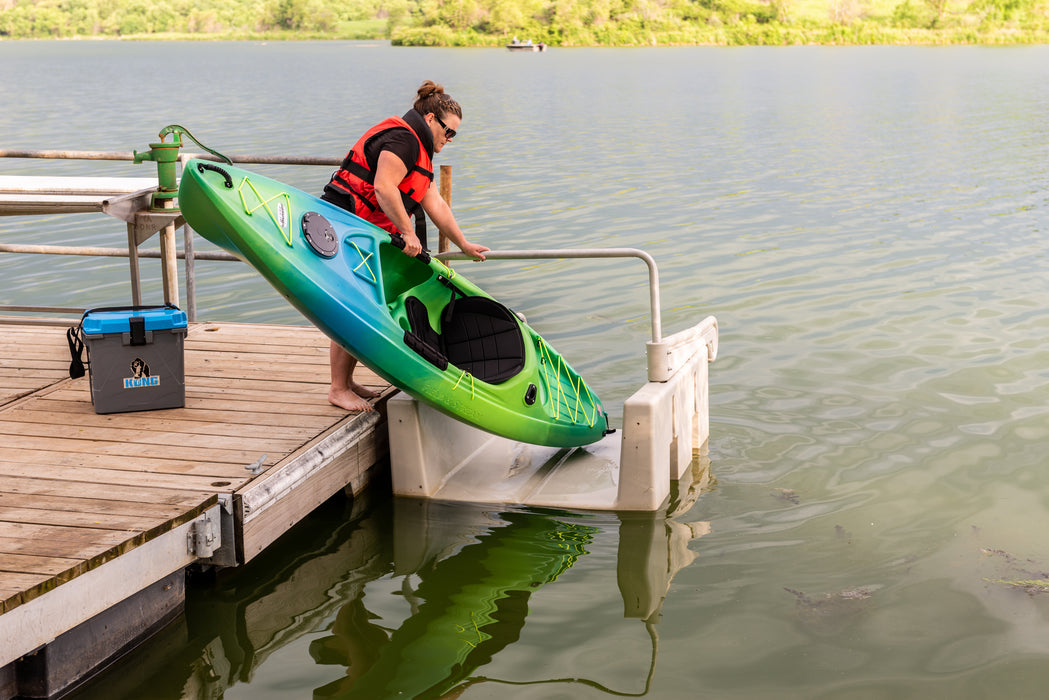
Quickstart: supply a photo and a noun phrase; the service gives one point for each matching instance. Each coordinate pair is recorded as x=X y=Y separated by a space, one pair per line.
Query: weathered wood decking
x=80 y=492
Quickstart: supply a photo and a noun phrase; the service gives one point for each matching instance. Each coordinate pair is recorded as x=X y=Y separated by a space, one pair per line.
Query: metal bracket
x=203 y=537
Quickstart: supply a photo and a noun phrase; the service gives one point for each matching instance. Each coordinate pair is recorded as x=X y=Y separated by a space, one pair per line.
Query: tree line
x=555 y=22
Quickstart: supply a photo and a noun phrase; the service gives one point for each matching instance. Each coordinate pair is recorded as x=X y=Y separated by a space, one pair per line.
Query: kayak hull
x=422 y=327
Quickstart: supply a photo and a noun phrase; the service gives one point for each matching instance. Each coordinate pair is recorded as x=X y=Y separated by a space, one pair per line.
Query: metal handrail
x=188 y=254
x=121 y=155
x=575 y=253
x=102 y=252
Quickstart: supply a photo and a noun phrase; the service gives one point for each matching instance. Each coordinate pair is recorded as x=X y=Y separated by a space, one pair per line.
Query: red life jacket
x=355 y=177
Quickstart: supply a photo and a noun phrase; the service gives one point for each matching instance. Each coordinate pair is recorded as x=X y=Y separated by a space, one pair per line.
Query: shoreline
x=753 y=35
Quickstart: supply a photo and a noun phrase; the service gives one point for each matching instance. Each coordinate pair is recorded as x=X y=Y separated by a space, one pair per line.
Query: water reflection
x=410 y=599
x=465 y=608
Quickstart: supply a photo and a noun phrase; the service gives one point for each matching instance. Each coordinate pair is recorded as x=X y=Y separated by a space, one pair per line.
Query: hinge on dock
x=203 y=537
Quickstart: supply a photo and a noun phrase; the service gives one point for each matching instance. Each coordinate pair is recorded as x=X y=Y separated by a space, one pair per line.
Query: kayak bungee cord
x=265 y=204
x=547 y=362
x=364 y=261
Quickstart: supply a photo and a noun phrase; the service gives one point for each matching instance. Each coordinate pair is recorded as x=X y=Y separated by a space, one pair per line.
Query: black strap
x=449 y=309
x=137 y=326
x=108 y=309
x=424 y=171
x=75 y=338
x=355 y=168
x=415 y=209
x=422 y=338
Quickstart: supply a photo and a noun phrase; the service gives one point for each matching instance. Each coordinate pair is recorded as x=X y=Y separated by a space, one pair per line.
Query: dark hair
x=432 y=98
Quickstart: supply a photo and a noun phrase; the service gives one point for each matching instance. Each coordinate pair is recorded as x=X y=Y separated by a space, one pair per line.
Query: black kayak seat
x=478 y=335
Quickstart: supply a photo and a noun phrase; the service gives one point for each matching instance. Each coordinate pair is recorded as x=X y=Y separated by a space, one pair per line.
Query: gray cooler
x=135 y=358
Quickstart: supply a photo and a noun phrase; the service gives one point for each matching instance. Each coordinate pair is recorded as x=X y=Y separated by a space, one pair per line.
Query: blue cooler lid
x=117 y=321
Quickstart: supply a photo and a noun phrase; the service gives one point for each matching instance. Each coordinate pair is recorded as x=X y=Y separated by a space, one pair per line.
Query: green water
x=867 y=223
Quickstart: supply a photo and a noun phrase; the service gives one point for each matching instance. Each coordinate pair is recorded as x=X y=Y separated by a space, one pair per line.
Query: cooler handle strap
x=105 y=309
x=137 y=325
x=76 y=349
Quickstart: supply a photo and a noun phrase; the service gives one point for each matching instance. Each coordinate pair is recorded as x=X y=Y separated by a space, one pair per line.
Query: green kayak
x=415 y=322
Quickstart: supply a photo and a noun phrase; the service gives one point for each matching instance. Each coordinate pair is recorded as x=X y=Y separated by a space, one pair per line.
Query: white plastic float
x=665 y=425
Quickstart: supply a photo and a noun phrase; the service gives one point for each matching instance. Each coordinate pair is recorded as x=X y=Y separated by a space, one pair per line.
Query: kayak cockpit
x=478 y=335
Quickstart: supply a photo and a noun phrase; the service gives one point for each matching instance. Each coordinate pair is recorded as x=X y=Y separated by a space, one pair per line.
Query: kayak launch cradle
x=665 y=425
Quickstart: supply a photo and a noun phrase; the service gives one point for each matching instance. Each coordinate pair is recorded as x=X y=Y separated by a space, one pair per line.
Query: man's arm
x=389 y=172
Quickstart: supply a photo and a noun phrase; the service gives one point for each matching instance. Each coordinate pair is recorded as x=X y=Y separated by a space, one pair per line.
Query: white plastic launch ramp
x=665 y=424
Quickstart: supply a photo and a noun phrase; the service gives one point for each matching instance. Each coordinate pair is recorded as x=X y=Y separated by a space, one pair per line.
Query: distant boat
x=517 y=46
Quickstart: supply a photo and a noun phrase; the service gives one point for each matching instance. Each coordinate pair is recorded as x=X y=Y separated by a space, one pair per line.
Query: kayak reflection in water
x=470 y=606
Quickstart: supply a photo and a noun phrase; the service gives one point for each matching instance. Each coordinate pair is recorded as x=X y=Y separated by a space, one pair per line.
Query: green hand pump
x=165 y=155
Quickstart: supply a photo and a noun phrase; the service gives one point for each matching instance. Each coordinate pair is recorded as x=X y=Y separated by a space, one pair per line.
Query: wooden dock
x=99 y=513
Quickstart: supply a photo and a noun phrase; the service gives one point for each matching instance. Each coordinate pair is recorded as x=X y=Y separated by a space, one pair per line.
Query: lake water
x=867 y=223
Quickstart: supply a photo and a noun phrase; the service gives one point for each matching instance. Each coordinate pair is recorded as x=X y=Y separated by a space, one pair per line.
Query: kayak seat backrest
x=478 y=335
x=484 y=338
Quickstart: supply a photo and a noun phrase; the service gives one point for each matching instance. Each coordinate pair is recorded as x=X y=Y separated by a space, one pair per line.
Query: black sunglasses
x=448 y=133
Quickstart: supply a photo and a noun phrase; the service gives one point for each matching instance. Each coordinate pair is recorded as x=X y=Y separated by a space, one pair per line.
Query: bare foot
x=363 y=391
x=349 y=400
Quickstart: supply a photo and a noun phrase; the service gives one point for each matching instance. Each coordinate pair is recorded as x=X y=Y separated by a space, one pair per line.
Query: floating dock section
x=100 y=514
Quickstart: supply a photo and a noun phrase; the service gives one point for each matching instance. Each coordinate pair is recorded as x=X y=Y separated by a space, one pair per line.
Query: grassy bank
x=860 y=33
x=555 y=22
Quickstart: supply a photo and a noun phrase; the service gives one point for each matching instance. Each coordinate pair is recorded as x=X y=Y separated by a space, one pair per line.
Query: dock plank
x=170 y=473
x=219 y=414
x=265 y=402
x=88 y=507
x=90 y=420
x=119 y=448
x=14 y=585
x=57 y=540
x=144 y=436
x=96 y=521
x=146 y=496
x=32 y=564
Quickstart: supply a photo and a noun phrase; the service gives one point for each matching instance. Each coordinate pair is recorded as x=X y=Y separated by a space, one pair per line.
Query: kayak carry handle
x=398 y=242
x=201 y=167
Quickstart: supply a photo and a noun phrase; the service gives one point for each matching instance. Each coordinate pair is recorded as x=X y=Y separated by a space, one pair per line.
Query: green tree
x=1003 y=10
x=912 y=14
x=285 y=14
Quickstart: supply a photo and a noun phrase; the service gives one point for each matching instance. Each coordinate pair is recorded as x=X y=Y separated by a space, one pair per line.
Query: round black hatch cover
x=319 y=234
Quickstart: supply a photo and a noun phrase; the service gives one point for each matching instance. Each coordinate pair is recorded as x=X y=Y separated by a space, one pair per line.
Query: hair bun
x=431 y=97
x=430 y=88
